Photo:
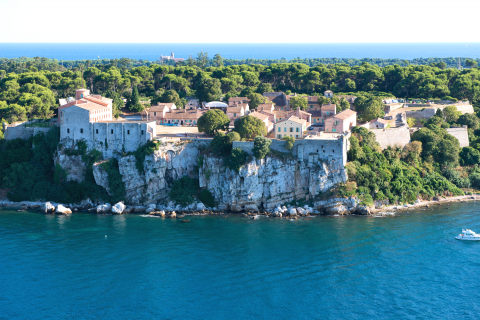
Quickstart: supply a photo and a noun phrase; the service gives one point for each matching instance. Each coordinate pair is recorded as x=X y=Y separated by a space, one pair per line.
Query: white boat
x=468 y=234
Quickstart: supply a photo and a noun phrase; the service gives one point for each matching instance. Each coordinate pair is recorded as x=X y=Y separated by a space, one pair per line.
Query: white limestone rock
x=118 y=208
x=200 y=206
x=292 y=212
x=47 y=207
x=62 y=209
x=104 y=208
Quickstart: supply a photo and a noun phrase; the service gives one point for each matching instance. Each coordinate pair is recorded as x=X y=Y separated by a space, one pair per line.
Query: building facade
x=293 y=127
x=341 y=122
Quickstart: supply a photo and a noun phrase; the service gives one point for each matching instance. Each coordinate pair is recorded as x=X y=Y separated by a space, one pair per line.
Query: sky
x=246 y=21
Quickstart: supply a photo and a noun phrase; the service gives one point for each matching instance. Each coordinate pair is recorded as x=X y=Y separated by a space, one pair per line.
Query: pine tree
x=134 y=102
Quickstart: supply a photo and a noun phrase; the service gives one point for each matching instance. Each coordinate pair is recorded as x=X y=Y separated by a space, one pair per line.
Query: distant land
x=151 y=52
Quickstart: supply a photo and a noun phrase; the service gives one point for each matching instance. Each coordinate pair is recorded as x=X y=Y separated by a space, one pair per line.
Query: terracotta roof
x=345 y=114
x=329 y=107
x=378 y=120
x=158 y=108
x=238 y=99
x=312 y=99
x=329 y=91
x=259 y=115
x=184 y=114
x=95 y=100
x=235 y=109
x=90 y=106
x=71 y=103
x=294 y=119
x=265 y=106
x=168 y=104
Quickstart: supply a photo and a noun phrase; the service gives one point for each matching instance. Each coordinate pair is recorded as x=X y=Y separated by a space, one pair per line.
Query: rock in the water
x=173 y=214
x=104 y=208
x=118 y=208
x=150 y=210
x=47 y=207
x=292 y=212
x=63 y=210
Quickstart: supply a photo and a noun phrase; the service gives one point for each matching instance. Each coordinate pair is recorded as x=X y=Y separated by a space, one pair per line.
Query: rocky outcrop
x=63 y=210
x=259 y=184
x=73 y=165
x=118 y=208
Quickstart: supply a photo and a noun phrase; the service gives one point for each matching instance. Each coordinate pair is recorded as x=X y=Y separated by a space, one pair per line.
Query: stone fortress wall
x=461 y=134
x=399 y=137
x=22 y=130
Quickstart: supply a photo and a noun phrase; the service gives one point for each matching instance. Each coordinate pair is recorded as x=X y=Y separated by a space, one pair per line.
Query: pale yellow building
x=293 y=127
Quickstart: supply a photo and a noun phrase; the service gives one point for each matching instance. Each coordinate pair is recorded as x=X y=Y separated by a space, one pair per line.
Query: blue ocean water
x=151 y=52
x=221 y=267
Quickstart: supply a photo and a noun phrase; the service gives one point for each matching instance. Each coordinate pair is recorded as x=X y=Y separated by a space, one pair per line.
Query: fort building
x=88 y=121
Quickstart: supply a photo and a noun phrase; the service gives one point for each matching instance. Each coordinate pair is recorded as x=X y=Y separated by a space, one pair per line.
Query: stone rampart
x=23 y=132
x=398 y=137
x=461 y=134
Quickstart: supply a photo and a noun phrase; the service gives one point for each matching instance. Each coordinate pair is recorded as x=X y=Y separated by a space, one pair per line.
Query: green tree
x=298 y=102
x=133 y=103
x=289 y=141
x=469 y=156
x=471 y=63
x=373 y=109
x=236 y=160
x=212 y=121
x=255 y=100
x=469 y=120
x=209 y=89
x=451 y=114
x=249 y=127
x=261 y=147
x=344 y=104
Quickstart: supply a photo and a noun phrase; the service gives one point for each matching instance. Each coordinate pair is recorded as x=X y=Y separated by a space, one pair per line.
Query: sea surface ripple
x=85 y=266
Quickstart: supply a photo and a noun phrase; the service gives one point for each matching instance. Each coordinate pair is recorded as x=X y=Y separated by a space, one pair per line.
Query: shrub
x=183 y=190
x=261 y=147
x=207 y=198
x=236 y=160
x=289 y=141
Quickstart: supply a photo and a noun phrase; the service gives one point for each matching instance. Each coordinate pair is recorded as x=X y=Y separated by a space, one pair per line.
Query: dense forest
x=30 y=88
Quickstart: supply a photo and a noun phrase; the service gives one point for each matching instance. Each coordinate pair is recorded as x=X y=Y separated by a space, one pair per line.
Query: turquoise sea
x=86 y=266
x=152 y=51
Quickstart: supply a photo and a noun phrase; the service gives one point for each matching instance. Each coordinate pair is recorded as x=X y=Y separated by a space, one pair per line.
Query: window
x=285 y=129
x=327 y=113
x=128 y=131
x=81 y=130
x=234 y=115
x=336 y=123
x=142 y=132
x=279 y=136
x=81 y=95
x=323 y=151
x=314 y=120
x=154 y=113
x=68 y=130
x=296 y=136
x=96 y=131
x=111 y=131
x=333 y=151
x=279 y=129
x=334 y=130
x=298 y=130
x=291 y=129
x=311 y=106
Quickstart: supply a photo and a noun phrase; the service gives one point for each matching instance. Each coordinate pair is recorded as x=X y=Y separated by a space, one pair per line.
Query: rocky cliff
x=264 y=183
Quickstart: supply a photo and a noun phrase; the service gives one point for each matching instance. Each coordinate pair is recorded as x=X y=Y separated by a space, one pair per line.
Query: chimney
x=298 y=112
